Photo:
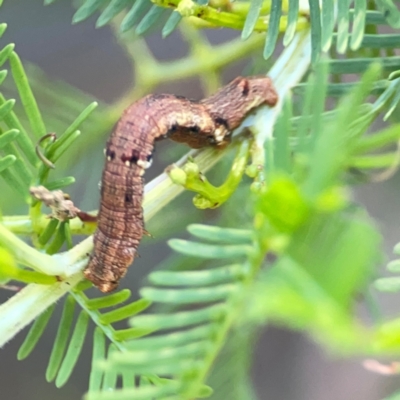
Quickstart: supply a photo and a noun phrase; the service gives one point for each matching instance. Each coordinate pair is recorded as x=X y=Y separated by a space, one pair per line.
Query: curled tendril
x=39 y=153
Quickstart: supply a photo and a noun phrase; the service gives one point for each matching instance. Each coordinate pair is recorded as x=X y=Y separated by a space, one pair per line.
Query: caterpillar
x=129 y=152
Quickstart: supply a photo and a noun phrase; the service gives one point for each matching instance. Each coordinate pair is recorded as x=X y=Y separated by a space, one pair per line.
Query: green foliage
x=306 y=251
x=311 y=285
x=69 y=340
x=250 y=16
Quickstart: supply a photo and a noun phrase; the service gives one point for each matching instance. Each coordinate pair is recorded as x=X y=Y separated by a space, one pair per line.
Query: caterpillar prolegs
x=129 y=150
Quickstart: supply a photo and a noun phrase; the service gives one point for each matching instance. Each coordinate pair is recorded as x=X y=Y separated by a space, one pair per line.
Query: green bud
x=178 y=176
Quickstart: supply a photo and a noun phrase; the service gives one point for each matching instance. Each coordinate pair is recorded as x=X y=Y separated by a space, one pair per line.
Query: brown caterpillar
x=129 y=151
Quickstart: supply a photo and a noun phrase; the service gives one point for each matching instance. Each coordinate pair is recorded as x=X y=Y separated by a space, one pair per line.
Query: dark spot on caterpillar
x=120 y=224
x=221 y=121
x=173 y=128
x=194 y=129
x=131 y=159
x=128 y=198
x=110 y=154
x=245 y=87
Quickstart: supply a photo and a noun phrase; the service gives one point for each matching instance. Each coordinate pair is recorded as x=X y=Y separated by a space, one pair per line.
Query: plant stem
x=27 y=255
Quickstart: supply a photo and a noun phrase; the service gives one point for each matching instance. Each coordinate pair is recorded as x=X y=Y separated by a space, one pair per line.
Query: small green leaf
x=60 y=183
x=7 y=161
x=58 y=240
x=378 y=139
x=60 y=342
x=35 y=333
x=189 y=296
x=197 y=278
x=74 y=349
x=204 y=392
x=149 y=19
x=110 y=376
x=293 y=15
x=23 y=139
x=3 y=28
x=99 y=345
x=108 y=301
x=171 y=24
x=357 y=35
x=113 y=8
x=328 y=23
x=128 y=380
x=66 y=144
x=251 y=18
x=124 y=312
x=203 y=332
x=123 y=335
x=73 y=127
x=3 y=75
x=47 y=233
x=394 y=75
x=315 y=18
x=20 y=169
x=172 y=354
x=82 y=286
x=134 y=14
x=27 y=98
x=5 y=53
x=396 y=249
x=343 y=26
x=273 y=28
x=175 y=367
x=179 y=319
x=88 y=8
x=8 y=137
x=223 y=235
x=209 y=251
x=388 y=284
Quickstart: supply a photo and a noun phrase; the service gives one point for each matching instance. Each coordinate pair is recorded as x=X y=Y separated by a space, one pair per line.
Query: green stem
x=29 y=303
x=208 y=195
x=27 y=255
